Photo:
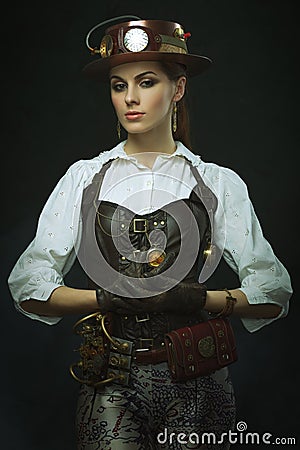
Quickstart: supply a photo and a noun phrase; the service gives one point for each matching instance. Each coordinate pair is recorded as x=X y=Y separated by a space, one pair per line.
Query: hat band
x=174 y=42
x=139 y=39
x=169 y=48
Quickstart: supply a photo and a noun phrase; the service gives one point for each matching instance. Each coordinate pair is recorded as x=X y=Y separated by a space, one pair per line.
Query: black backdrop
x=244 y=116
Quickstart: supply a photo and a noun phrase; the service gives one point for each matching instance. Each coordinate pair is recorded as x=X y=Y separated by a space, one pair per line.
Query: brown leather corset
x=122 y=236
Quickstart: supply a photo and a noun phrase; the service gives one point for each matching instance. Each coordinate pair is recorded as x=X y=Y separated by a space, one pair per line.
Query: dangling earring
x=174 y=118
x=119 y=129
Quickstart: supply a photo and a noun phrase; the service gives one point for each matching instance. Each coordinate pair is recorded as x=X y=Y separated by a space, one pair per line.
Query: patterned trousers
x=155 y=413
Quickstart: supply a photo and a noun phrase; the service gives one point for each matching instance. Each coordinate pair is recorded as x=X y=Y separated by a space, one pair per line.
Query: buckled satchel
x=201 y=349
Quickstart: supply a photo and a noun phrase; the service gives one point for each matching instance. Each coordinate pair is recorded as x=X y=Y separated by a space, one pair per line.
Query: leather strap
x=222 y=341
x=154 y=356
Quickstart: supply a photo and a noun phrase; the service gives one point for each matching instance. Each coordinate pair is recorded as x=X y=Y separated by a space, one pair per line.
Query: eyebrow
x=140 y=75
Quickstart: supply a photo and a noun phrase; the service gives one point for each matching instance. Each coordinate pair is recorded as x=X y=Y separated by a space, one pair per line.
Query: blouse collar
x=119 y=152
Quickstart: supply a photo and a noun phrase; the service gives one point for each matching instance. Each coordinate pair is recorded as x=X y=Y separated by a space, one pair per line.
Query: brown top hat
x=143 y=40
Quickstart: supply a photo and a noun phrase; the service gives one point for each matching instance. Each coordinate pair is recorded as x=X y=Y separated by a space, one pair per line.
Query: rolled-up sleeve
x=41 y=268
x=263 y=278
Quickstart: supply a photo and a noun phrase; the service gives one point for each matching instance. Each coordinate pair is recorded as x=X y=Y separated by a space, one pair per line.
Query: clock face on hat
x=136 y=40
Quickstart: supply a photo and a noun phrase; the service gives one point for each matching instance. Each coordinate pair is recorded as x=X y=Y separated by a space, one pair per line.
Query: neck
x=149 y=142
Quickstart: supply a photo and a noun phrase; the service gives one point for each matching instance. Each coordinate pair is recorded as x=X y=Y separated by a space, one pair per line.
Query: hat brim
x=100 y=68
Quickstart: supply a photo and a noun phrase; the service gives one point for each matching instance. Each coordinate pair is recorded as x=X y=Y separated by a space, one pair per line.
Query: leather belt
x=154 y=356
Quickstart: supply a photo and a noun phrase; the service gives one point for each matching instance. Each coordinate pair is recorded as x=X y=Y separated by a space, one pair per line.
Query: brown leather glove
x=184 y=298
x=108 y=301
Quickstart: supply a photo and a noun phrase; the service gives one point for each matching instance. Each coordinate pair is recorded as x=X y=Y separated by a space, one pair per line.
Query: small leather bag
x=201 y=349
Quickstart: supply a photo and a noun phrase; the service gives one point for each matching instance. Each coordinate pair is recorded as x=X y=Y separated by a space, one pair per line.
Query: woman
x=145 y=209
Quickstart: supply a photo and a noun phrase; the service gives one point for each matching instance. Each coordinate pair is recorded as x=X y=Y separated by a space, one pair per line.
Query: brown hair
x=182 y=134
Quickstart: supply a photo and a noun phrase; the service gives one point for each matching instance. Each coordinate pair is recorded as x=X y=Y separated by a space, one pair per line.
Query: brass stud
x=114 y=361
x=123 y=362
x=187 y=342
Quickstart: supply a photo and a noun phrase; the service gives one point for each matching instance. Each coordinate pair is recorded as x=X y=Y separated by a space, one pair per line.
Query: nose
x=131 y=96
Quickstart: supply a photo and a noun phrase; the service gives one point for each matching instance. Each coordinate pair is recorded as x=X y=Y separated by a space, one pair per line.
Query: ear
x=180 y=88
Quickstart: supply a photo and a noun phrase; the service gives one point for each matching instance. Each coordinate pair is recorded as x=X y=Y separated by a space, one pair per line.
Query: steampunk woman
x=149 y=221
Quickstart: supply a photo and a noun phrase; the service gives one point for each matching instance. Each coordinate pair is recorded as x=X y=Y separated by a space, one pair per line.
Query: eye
x=147 y=83
x=118 y=87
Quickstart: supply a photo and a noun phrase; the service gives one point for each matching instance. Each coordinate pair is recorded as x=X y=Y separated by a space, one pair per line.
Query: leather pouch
x=201 y=349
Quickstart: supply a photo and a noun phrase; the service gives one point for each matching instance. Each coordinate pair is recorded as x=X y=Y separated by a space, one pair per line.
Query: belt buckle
x=143 y=319
x=144 y=346
x=135 y=221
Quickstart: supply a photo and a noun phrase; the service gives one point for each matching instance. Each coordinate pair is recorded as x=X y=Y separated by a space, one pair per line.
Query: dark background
x=244 y=113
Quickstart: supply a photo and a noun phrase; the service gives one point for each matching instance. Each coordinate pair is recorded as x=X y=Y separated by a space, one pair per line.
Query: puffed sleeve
x=41 y=268
x=263 y=278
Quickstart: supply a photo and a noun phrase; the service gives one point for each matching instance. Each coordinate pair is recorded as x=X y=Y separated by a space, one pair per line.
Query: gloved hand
x=108 y=301
x=184 y=298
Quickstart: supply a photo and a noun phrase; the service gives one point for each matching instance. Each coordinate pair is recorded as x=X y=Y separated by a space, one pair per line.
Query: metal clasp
x=142 y=222
x=142 y=319
x=145 y=344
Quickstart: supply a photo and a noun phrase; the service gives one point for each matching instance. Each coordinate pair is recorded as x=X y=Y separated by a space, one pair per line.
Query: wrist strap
x=229 y=305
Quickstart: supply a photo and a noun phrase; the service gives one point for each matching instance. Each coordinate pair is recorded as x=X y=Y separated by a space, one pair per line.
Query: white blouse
x=49 y=257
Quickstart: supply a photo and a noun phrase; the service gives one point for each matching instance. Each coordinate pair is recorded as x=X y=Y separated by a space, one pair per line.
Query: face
x=143 y=96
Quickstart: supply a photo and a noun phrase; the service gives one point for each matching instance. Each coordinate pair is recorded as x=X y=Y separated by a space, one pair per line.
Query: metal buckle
x=135 y=226
x=143 y=319
x=145 y=344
